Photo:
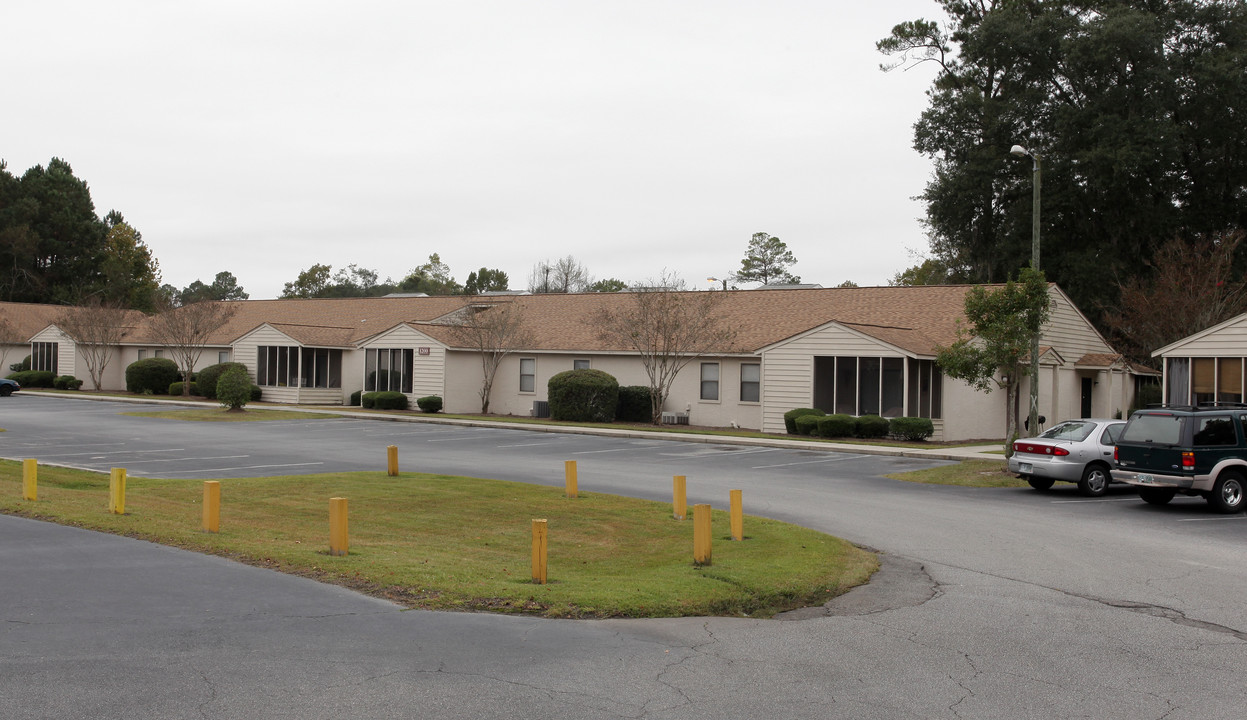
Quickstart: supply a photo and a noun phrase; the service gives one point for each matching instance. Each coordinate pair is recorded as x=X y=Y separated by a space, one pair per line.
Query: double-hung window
x=750 y=382
x=528 y=375
x=710 y=381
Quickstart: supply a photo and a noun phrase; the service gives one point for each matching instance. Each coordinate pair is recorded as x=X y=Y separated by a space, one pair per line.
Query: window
x=868 y=385
x=142 y=353
x=222 y=356
x=580 y=364
x=321 y=368
x=750 y=382
x=1230 y=379
x=1203 y=380
x=160 y=353
x=388 y=369
x=290 y=366
x=846 y=385
x=710 y=381
x=1214 y=431
x=43 y=356
x=528 y=375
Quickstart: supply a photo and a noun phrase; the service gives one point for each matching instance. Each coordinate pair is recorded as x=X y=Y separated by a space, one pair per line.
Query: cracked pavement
x=990 y=604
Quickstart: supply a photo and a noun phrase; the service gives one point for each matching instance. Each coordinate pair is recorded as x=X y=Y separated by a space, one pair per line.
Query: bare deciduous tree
x=565 y=275
x=495 y=331
x=669 y=327
x=8 y=336
x=185 y=331
x=97 y=330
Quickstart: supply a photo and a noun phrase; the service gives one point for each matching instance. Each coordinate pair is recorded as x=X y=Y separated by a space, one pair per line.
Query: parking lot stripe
x=1210 y=519
x=810 y=462
x=239 y=467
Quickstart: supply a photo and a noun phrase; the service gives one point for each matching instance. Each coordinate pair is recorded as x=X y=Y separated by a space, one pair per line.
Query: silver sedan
x=1077 y=451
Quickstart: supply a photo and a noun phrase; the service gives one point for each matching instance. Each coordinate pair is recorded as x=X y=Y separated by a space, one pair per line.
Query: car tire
x=1040 y=483
x=1095 y=481
x=1156 y=496
x=1228 y=493
x=6 y=391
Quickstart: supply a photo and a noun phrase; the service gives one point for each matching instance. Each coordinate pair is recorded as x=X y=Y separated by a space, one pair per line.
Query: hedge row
x=811 y=421
x=34 y=378
x=583 y=396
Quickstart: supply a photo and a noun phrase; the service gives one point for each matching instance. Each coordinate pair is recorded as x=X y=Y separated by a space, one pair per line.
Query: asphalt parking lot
x=1002 y=603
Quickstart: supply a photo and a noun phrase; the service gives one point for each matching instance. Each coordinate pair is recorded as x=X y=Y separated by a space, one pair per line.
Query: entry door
x=1087 y=384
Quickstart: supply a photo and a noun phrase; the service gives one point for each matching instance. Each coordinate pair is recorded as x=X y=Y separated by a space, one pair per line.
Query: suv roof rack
x=1214 y=405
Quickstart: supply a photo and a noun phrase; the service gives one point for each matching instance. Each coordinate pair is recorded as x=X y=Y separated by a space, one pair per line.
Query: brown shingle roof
x=28 y=319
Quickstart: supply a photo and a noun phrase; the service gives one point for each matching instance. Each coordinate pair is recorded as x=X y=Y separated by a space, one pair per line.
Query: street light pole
x=1020 y=151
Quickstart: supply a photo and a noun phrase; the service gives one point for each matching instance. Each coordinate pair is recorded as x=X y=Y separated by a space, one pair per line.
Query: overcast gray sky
x=262 y=137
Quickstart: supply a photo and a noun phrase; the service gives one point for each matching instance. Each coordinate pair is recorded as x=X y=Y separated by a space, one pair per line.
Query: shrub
x=151 y=376
x=870 y=426
x=21 y=366
x=833 y=426
x=911 y=428
x=34 y=378
x=807 y=424
x=429 y=404
x=66 y=382
x=790 y=417
x=583 y=396
x=256 y=392
x=384 y=400
x=176 y=388
x=634 y=404
x=208 y=377
x=354 y=401
x=234 y=388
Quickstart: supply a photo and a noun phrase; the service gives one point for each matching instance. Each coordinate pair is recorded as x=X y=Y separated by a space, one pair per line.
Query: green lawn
x=456 y=543
x=967 y=473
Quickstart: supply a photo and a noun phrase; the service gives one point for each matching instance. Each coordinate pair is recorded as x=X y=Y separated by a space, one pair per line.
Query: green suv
x=1193 y=450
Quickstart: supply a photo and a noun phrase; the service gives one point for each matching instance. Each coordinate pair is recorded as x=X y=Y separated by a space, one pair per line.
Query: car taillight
x=1026 y=447
x=1188 y=461
x=1114 y=453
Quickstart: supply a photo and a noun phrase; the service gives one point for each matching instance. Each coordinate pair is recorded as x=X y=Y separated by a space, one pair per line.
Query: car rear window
x=1157 y=429
x=1075 y=430
x=1216 y=430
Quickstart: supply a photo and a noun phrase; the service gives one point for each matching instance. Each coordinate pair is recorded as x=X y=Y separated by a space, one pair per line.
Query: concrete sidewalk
x=991 y=451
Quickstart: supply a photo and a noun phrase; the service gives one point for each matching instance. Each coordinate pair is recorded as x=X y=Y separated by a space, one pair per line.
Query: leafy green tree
x=131 y=274
x=224 y=287
x=608 y=285
x=431 y=278
x=994 y=345
x=766 y=261
x=1125 y=101
x=930 y=271
x=485 y=280
x=310 y=283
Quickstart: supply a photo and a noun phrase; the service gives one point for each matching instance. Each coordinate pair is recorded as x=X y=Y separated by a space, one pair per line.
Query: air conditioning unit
x=671 y=418
x=541 y=408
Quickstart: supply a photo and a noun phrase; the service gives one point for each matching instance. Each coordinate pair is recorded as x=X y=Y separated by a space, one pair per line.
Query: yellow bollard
x=701 y=534
x=339 y=540
x=30 y=479
x=212 y=506
x=679 y=498
x=569 y=471
x=391 y=457
x=539 y=552
x=117 y=491
x=738 y=516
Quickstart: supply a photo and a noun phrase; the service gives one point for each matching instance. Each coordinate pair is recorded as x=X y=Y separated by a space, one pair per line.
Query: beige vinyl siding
x=1229 y=341
x=66 y=352
x=1068 y=332
x=788 y=368
x=244 y=351
x=428 y=372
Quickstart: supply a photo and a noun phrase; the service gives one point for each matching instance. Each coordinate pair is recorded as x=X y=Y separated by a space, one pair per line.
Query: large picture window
x=389 y=369
x=292 y=366
x=43 y=356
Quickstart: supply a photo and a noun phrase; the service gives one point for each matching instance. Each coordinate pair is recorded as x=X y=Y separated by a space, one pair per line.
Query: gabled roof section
x=1236 y=320
x=29 y=319
x=316 y=335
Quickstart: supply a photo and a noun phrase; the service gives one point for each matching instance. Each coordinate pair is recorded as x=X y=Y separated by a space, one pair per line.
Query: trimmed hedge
x=354 y=401
x=635 y=404
x=151 y=376
x=256 y=392
x=429 y=404
x=870 y=426
x=384 y=400
x=34 y=378
x=209 y=376
x=911 y=428
x=583 y=396
x=834 y=426
x=176 y=388
x=807 y=424
x=66 y=382
x=22 y=366
x=790 y=417
x=234 y=388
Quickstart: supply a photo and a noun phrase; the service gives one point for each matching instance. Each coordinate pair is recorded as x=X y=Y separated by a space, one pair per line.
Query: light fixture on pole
x=1019 y=151
x=715 y=280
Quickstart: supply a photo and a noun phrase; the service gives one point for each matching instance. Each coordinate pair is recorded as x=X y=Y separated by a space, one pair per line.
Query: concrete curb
x=978 y=452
